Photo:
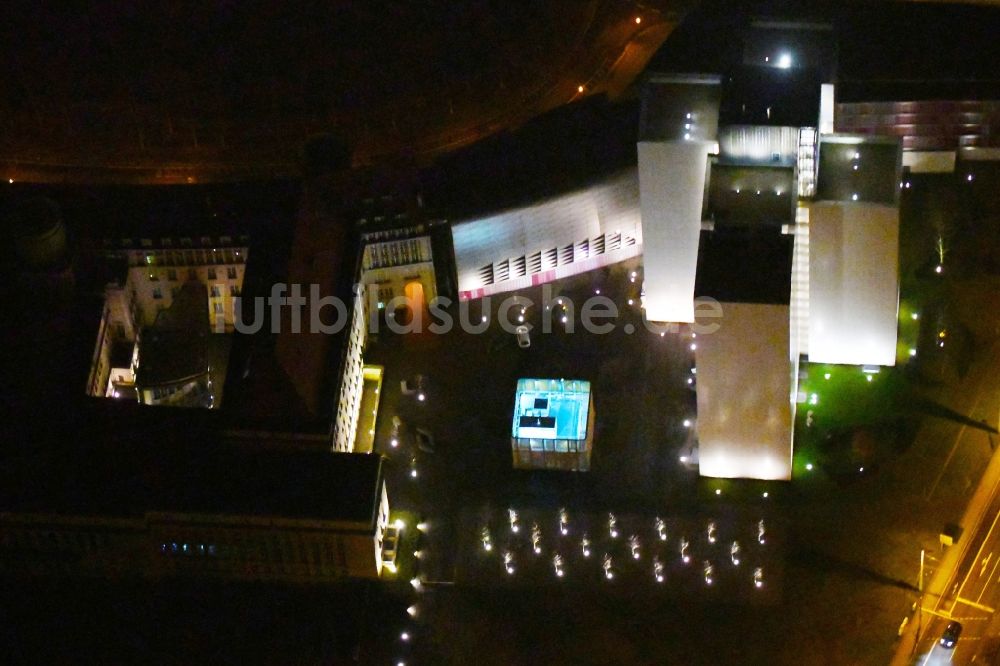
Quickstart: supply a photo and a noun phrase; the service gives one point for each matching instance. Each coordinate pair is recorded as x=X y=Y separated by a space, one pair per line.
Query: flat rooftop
x=745 y=394
x=129 y=480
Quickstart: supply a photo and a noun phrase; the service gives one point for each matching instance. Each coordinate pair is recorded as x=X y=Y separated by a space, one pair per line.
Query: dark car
x=951 y=634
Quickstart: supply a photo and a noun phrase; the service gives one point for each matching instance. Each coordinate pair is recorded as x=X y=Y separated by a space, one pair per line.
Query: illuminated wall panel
x=745 y=394
x=564 y=235
x=671 y=194
x=853 y=283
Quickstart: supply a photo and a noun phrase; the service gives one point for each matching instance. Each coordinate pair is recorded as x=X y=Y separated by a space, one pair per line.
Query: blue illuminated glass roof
x=551 y=409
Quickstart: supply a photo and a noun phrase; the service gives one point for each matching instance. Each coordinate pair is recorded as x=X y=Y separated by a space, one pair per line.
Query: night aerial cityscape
x=585 y=332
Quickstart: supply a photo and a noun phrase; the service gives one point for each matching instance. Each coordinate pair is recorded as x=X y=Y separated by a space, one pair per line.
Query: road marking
x=974 y=604
x=945 y=614
x=987 y=583
x=985 y=563
x=980 y=552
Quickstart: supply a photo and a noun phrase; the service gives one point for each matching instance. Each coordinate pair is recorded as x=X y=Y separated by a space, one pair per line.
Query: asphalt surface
x=963 y=582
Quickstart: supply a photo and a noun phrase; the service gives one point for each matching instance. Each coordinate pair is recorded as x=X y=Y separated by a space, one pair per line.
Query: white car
x=523 y=337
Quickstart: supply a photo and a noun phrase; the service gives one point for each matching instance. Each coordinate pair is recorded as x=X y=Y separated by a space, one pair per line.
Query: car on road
x=523 y=337
x=951 y=634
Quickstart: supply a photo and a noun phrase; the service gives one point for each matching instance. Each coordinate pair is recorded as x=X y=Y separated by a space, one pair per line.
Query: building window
x=185 y=241
x=231 y=272
x=215 y=292
x=172 y=275
x=157 y=293
x=234 y=290
x=218 y=308
x=211 y=273
x=192 y=274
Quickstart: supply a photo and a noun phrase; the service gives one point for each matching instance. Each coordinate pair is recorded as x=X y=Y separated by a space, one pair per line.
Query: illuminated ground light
x=404 y=636
x=415 y=582
x=826 y=376
x=809 y=467
x=718 y=491
x=412 y=611
x=764 y=494
x=399 y=524
x=693 y=346
x=413 y=474
x=687 y=423
x=784 y=61
x=868 y=377
x=638 y=20
x=814 y=399
x=758 y=577
x=423 y=526
x=579 y=89
x=913 y=352
x=938 y=269
x=421 y=397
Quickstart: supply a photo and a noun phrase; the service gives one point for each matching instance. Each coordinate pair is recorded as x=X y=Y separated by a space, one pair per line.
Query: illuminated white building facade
x=566 y=235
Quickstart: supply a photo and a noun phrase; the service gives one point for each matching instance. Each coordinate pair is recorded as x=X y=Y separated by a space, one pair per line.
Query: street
x=965 y=580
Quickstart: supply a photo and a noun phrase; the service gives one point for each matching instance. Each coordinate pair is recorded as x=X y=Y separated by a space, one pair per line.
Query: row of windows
x=555 y=445
x=273 y=549
x=234 y=291
x=188 y=257
x=193 y=274
x=537 y=262
x=185 y=241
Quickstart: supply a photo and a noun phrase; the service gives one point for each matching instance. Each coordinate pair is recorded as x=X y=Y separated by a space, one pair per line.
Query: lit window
x=157 y=293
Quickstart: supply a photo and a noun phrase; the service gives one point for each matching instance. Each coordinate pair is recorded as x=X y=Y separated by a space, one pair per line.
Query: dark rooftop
x=751 y=194
x=769 y=96
x=193 y=477
x=745 y=265
x=855 y=170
